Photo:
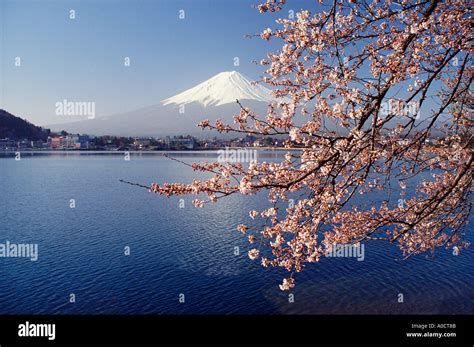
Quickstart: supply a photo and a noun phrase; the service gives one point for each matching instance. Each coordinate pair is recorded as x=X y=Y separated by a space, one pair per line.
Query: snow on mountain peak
x=221 y=89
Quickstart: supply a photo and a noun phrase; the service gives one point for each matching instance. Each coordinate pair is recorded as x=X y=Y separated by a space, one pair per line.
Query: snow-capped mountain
x=223 y=88
x=212 y=99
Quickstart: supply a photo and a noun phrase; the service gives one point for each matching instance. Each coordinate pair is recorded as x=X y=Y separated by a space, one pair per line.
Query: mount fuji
x=223 y=88
x=179 y=115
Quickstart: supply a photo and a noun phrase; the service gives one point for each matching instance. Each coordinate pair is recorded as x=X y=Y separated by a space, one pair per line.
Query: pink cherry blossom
x=254 y=253
x=333 y=79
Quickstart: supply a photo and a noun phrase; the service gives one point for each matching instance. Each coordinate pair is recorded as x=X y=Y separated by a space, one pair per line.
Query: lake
x=181 y=250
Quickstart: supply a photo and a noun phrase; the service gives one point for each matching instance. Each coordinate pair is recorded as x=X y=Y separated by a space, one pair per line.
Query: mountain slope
x=180 y=114
x=159 y=120
x=16 y=128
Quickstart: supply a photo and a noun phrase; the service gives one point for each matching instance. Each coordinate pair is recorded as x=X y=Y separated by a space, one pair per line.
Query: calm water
x=183 y=250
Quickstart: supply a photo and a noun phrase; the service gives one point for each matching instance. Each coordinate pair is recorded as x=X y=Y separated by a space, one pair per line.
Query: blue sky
x=82 y=59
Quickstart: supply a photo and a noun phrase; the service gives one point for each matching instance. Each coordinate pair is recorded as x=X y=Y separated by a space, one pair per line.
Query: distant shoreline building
x=181 y=142
x=69 y=142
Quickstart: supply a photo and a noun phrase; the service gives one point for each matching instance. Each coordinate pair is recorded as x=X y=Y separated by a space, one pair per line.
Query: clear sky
x=82 y=59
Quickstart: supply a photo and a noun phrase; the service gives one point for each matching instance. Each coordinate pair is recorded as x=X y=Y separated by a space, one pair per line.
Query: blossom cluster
x=335 y=70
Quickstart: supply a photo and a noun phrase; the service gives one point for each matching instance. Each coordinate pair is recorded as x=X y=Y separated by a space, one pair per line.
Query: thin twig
x=136 y=184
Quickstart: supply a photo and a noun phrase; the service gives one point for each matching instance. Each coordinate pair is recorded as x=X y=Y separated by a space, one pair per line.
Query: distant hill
x=16 y=128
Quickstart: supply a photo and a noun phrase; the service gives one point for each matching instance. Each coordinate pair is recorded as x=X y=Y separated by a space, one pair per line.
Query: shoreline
x=214 y=150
